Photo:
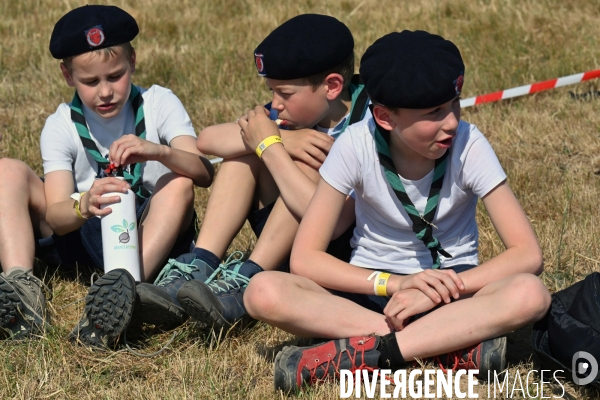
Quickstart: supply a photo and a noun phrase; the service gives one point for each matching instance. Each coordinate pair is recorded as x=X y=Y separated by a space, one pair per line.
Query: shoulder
x=469 y=141
x=59 y=120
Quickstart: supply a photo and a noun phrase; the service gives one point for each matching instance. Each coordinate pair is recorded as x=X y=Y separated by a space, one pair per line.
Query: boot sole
x=282 y=379
x=108 y=310
x=158 y=311
x=202 y=306
x=496 y=360
x=11 y=318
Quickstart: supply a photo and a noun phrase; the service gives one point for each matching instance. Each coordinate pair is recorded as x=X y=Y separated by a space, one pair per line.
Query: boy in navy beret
x=308 y=64
x=109 y=124
x=413 y=287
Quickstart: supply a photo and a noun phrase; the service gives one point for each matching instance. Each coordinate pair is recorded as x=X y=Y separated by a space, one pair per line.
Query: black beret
x=305 y=45
x=89 y=28
x=412 y=70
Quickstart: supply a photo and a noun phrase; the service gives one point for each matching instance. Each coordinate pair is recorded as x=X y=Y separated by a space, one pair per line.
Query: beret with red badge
x=90 y=28
x=412 y=70
x=303 y=46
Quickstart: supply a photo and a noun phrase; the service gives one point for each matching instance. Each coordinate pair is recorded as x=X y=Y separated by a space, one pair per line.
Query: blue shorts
x=378 y=303
x=339 y=248
x=84 y=246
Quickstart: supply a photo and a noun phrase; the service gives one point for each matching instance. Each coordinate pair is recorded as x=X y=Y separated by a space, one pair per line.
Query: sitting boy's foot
x=489 y=355
x=299 y=366
x=158 y=301
x=108 y=310
x=220 y=303
x=22 y=305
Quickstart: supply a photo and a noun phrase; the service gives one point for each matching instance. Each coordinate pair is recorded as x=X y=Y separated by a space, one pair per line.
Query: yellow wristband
x=266 y=143
x=381 y=283
x=77 y=205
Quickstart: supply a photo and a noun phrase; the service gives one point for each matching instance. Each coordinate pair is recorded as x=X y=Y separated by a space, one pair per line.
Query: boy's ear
x=334 y=83
x=383 y=118
x=132 y=62
x=67 y=75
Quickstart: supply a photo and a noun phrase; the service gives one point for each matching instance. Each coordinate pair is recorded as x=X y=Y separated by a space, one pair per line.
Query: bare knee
x=530 y=296
x=263 y=295
x=14 y=171
x=180 y=186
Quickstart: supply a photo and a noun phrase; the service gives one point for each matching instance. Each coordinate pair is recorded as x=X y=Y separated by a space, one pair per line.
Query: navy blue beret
x=412 y=70
x=305 y=45
x=90 y=28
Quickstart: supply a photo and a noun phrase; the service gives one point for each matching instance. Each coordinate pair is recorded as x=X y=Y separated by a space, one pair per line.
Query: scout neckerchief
x=422 y=224
x=359 y=107
x=78 y=119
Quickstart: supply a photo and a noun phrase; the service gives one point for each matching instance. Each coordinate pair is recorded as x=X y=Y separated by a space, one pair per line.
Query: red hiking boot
x=297 y=366
x=489 y=355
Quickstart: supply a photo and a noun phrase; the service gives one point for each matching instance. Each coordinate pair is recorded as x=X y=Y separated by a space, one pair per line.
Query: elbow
x=206 y=177
x=202 y=142
x=298 y=262
x=55 y=225
x=535 y=262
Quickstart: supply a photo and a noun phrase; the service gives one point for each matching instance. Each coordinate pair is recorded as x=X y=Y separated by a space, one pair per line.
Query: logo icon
x=458 y=84
x=123 y=230
x=260 y=63
x=584 y=367
x=95 y=36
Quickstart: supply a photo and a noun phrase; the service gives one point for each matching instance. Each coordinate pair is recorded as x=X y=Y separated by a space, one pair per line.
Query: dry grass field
x=549 y=144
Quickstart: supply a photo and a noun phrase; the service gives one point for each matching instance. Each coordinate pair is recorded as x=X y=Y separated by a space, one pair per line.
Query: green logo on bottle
x=123 y=230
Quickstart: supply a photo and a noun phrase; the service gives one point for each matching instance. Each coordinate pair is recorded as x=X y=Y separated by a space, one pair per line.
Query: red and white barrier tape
x=529 y=89
x=516 y=92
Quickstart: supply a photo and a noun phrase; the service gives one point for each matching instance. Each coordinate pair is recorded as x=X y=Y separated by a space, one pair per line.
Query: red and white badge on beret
x=95 y=36
x=458 y=84
x=260 y=63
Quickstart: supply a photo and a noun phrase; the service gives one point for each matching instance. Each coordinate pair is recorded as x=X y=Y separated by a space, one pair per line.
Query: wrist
x=163 y=153
x=394 y=284
x=266 y=143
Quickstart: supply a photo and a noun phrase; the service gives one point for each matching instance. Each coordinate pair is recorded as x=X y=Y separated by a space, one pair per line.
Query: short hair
x=345 y=69
x=106 y=52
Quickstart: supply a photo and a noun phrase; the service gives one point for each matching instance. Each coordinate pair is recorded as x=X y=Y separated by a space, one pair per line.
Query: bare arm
x=181 y=156
x=309 y=257
x=523 y=253
x=225 y=140
x=60 y=214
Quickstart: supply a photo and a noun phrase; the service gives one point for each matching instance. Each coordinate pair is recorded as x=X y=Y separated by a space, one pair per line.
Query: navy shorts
x=339 y=248
x=84 y=246
x=378 y=303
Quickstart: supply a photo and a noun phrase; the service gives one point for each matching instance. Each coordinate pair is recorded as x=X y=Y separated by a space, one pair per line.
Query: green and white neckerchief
x=422 y=223
x=78 y=119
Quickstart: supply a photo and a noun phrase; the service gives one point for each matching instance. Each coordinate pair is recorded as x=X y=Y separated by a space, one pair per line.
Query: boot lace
x=455 y=360
x=229 y=277
x=319 y=372
x=175 y=270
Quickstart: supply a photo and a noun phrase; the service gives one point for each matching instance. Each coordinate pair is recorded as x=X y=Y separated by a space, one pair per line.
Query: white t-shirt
x=62 y=150
x=383 y=238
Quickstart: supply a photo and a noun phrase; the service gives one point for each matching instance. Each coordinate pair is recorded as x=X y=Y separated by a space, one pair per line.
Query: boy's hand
x=307 y=145
x=256 y=127
x=130 y=149
x=90 y=202
x=438 y=285
x=404 y=304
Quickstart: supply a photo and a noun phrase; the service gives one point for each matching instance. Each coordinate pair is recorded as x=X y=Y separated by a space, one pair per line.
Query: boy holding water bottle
x=110 y=123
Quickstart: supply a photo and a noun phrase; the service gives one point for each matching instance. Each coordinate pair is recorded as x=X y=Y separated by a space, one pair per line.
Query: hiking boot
x=489 y=355
x=299 y=366
x=220 y=302
x=108 y=310
x=158 y=301
x=22 y=305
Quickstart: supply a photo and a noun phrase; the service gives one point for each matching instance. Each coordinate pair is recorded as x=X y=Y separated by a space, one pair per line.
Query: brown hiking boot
x=22 y=305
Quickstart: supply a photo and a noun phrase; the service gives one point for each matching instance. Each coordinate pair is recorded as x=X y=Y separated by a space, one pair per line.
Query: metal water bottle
x=120 y=235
